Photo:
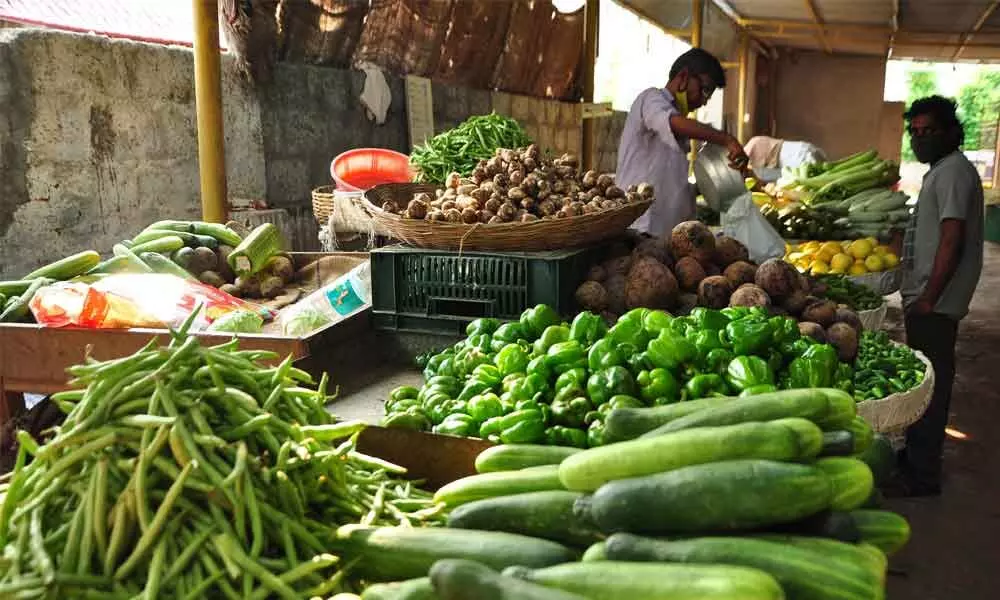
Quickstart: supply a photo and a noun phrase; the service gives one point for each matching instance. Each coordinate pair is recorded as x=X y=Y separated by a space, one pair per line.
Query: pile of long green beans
x=458 y=150
x=185 y=471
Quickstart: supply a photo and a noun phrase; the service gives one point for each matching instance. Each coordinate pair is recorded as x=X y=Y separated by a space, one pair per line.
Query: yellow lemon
x=796 y=256
x=890 y=260
x=837 y=271
x=831 y=247
x=819 y=267
x=845 y=244
x=882 y=249
x=872 y=241
x=857 y=269
x=840 y=262
x=825 y=255
x=810 y=246
x=874 y=263
x=860 y=248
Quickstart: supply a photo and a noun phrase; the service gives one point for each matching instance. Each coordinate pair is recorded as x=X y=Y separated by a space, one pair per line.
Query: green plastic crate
x=993 y=223
x=440 y=292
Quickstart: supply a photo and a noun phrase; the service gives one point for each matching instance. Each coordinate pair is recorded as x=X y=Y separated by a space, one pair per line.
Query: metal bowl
x=719 y=183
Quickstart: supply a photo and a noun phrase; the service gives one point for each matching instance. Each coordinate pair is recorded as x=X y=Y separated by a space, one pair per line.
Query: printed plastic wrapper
x=135 y=300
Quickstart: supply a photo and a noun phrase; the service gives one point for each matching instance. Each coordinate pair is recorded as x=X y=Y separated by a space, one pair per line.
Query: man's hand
x=738 y=158
x=922 y=306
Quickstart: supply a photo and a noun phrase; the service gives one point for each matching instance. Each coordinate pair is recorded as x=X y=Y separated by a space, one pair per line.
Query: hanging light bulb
x=568 y=6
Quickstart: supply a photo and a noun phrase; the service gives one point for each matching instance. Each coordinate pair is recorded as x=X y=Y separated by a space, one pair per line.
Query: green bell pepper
x=480 y=341
x=569 y=392
x=844 y=379
x=572 y=378
x=817 y=367
x=538 y=366
x=570 y=413
x=604 y=384
x=706 y=319
x=638 y=362
x=619 y=401
x=629 y=328
x=552 y=335
x=488 y=374
x=784 y=329
x=412 y=418
x=681 y=325
x=522 y=427
x=491 y=426
x=565 y=356
x=595 y=434
x=656 y=321
x=468 y=359
x=403 y=392
x=565 y=436
x=657 y=383
x=506 y=334
x=441 y=364
x=796 y=348
x=484 y=325
x=587 y=328
x=703 y=386
x=438 y=410
x=484 y=407
x=457 y=424
x=474 y=387
x=748 y=337
x=512 y=358
x=736 y=313
x=748 y=371
x=704 y=340
x=775 y=360
x=603 y=354
x=717 y=360
x=766 y=388
x=670 y=350
x=530 y=387
x=535 y=320
x=403 y=405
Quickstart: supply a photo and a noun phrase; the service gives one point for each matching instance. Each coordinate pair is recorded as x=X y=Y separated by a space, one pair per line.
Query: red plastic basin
x=363 y=168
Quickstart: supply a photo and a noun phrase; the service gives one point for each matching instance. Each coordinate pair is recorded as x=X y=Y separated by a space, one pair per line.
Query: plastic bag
x=744 y=222
x=135 y=300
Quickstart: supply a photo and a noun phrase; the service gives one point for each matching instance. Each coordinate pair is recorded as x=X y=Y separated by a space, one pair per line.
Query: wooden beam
x=820 y=30
x=975 y=28
x=894 y=23
x=828 y=27
x=208 y=102
x=591 y=25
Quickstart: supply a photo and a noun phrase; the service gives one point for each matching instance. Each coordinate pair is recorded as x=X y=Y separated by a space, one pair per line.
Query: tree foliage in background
x=920 y=84
x=979 y=102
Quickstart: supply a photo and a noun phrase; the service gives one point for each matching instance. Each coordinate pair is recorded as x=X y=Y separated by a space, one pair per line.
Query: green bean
x=156 y=570
x=230 y=548
x=198 y=592
x=329 y=433
x=156 y=525
x=74 y=457
x=72 y=546
x=100 y=508
x=85 y=557
x=320 y=561
x=37 y=545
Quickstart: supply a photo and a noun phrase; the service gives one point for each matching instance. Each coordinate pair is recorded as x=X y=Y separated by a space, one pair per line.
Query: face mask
x=929 y=148
x=682 y=102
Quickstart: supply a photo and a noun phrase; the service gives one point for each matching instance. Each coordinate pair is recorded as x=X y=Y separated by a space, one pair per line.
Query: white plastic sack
x=744 y=222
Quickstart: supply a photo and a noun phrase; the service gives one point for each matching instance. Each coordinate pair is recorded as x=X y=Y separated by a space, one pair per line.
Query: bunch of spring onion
x=185 y=471
x=839 y=180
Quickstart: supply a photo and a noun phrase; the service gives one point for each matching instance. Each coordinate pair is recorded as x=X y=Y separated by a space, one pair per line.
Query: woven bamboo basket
x=553 y=234
x=892 y=415
x=323 y=200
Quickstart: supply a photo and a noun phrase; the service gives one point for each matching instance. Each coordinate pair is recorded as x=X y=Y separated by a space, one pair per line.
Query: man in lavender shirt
x=657 y=135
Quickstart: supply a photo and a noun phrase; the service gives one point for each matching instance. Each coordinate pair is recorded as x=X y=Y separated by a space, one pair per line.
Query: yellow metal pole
x=741 y=101
x=208 y=96
x=697 y=12
x=591 y=24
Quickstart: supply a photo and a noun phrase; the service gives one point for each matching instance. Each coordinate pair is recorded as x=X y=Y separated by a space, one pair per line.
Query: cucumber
x=872 y=562
x=613 y=580
x=503 y=483
x=837 y=443
x=723 y=496
x=396 y=553
x=411 y=589
x=596 y=551
x=457 y=579
x=835 y=525
x=880 y=458
x=190 y=239
x=117 y=264
x=163 y=245
x=220 y=232
x=14 y=288
x=545 y=515
x=785 y=439
x=171 y=225
x=16 y=308
x=629 y=423
x=851 y=481
x=885 y=530
x=162 y=264
x=137 y=264
x=511 y=457
x=862 y=432
x=803 y=573
x=827 y=407
x=67 y=268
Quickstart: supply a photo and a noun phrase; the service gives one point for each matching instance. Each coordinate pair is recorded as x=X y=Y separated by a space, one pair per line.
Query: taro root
x=650 y=284
x=844 y=338
x=390 y=207
x=506 y=212
x=739 y=273
x=689 y=273
x=417 y=209
x=822 y=312
x=645 y=191
x=692 y=238
x=592 y=296
x=714 y=292
x=729 y=250
x=604 y=181
x=528 y=218
x=813 y=330
x=778 y=278
x=453 y=215
x=750 y=295
x=470 y=215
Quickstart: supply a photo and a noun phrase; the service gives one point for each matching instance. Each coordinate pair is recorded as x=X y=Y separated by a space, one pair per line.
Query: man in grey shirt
x=942 y=260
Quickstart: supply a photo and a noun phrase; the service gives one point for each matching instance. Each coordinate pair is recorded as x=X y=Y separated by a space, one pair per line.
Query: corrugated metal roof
x=159 y=21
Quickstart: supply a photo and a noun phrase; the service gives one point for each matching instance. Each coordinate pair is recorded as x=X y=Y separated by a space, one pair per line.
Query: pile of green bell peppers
x=540 y=379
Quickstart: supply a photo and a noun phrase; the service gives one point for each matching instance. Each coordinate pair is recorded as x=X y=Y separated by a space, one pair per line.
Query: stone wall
x=98 y=138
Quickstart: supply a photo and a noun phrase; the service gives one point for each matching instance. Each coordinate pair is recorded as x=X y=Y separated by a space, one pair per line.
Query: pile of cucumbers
x=762 y=497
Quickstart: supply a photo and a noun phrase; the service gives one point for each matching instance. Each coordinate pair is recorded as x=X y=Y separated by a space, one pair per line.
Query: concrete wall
x=98 y=138
x=834 y=102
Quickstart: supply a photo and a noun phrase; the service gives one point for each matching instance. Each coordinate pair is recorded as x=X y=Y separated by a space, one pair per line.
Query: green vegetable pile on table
x=192 y=472
x=763 y=497
x=883 y=367
x=541 y=380
x=458 y=150
x=842 y=290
